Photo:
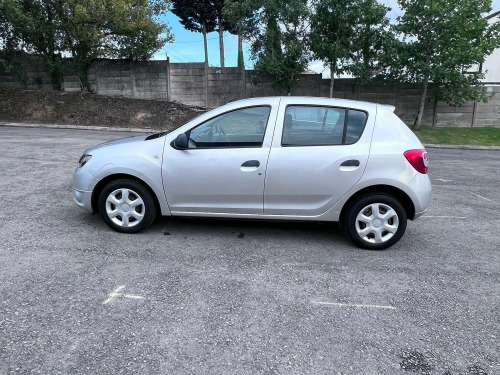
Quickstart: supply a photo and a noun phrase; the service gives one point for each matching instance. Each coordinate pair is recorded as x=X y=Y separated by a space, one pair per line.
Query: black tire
x=388 y=239
x=134 y=190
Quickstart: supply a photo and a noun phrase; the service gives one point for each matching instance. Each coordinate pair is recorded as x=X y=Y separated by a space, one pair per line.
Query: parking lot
x=193 y=296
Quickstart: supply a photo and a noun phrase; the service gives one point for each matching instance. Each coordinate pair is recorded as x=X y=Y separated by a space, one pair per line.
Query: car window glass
x=241 y=128
x=313 y=126
x=355 y=124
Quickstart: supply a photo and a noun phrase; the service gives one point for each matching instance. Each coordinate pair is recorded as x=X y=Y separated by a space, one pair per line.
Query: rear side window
x=322 y=126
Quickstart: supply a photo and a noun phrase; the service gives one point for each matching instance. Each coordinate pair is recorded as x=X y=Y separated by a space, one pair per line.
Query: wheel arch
x=113 y=177
x=393 y=191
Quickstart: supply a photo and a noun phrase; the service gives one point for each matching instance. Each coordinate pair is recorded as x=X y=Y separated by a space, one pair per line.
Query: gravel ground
x=237 y=297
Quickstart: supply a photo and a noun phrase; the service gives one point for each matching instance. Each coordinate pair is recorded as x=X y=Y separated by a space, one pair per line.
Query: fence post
x=132 y=80
x=474 y=114
x=320 y=83
x=434 y=115
x=398 y=93
x=206 y=85
x=244 y=81
x=97 y=65
x=169 y=92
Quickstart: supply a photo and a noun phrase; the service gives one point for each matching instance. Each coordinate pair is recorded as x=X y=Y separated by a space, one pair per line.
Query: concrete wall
x=187 y=83
x=225 y=85
x=141 y=80
x=26 y=74
x=193 y=84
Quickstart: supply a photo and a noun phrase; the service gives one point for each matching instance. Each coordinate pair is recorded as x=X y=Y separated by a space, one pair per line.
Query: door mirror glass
x=181 y=142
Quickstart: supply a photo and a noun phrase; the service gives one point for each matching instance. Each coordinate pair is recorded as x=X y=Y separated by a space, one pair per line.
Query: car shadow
x=244 y=228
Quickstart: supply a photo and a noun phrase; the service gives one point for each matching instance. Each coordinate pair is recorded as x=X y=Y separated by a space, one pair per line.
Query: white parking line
x=486 y=199
x=116 y=293
x=353 y=305
x=445 y=217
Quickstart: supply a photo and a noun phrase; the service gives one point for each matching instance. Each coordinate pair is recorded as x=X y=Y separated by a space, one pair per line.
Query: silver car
x=283 y=158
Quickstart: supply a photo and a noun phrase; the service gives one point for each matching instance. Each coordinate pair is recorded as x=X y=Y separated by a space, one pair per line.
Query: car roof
x=312 y=100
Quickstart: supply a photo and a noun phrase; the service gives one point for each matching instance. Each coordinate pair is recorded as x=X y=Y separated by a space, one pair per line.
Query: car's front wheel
x=127 y=206
x=375 y=221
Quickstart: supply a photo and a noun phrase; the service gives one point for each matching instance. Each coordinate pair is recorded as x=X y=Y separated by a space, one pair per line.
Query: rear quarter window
x=356 y=121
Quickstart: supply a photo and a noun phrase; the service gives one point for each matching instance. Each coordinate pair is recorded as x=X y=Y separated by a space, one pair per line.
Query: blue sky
x=188 y=46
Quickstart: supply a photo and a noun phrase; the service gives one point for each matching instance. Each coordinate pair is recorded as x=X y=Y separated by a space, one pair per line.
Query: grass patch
x=459 y=136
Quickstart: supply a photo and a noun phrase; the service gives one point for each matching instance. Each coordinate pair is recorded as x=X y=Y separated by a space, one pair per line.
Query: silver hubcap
x=377 y=223
x=125 y=208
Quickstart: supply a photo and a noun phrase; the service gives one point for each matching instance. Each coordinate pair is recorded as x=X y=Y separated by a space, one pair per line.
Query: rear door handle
x=350 y=163
x=251 y=164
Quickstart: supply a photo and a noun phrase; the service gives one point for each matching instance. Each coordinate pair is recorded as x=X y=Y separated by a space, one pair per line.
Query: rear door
x=318 y=153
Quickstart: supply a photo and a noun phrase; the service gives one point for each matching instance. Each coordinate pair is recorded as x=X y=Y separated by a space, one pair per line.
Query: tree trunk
x=418 y=119
x=332 y=79
x=81 y=63
x=241 y=60
x=221 y=44
x=55 y=71
x=425 y=85
x=204 y=31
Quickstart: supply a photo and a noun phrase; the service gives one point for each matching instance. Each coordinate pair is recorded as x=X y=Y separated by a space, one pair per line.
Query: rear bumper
x=418 y=214
x=420 y=188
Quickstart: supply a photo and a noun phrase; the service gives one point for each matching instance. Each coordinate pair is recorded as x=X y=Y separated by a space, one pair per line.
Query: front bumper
x=83 y=199
x=83 y=183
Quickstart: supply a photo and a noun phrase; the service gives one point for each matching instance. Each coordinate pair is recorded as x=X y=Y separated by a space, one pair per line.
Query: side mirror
x=181 y=142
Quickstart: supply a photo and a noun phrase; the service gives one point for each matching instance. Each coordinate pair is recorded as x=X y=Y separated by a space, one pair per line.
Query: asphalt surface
x=238 y=297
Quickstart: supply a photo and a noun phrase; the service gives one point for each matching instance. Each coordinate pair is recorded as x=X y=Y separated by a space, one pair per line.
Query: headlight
x=83 y=160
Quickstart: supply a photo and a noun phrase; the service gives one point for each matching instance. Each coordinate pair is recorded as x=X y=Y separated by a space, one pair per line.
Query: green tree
x=279 y=29
x=34 y=25
x=223 y=24
x=374 y=42
x=198 y=16
x=350 y=37
x=110 y=28
x=239 y=14
x=141 y=35
x=443 y=40
x=86 y=29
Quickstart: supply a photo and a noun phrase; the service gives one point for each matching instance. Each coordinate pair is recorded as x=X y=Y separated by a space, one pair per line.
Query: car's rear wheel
x=375 y=221
x=127 y=206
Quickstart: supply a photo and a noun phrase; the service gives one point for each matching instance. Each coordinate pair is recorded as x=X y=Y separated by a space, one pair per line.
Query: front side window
x=240 y=128
x=321 y=126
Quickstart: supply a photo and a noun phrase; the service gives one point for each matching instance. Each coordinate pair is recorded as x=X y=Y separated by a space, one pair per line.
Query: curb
x=463 y=147
x=150 y=130
x=81 y=127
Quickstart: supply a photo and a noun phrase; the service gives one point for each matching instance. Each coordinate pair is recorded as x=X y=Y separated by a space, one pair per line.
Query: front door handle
x=350 y=163
x=251 y=164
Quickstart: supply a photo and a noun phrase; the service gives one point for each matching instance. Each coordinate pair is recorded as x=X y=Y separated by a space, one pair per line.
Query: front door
x=224 y=168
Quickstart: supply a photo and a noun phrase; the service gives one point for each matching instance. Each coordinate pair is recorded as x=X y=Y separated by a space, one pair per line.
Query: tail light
x=418 y=159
